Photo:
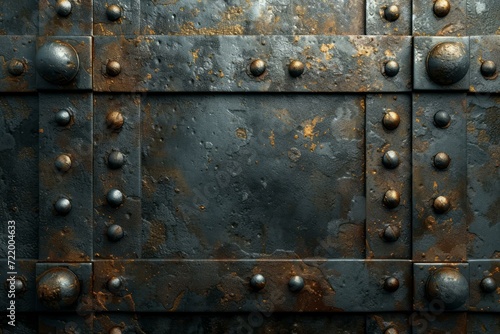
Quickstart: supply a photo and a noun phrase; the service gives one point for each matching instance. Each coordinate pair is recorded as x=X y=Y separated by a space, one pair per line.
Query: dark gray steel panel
x=427 y=23
x=21 y=18
x=478 y=323
x=439 y=236
x=127 y=24
x=378 y=24
x=26 y=298
x=483 y=150
x=483 y=17
x=127 y=178
x=220 y=63
x=66 y=323
x=25 y=324
x=241 y=17
x=22 y=49
x=480 y=300
x=66 y=238
x=246 y=175
x=379 y=179
x=175 y=286
x=77 y=23
x=19 y=172
x=445 y=323
x=484 y=48
x=381 y=323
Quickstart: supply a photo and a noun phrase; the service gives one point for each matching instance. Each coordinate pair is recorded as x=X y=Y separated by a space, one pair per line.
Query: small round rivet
x=114 y=120
x=442 y=119
x=391 y=68
x=447 y=63
x=449 y=286
x=441 y=204
x=257 y=67
x=57 y=62
x=63 y=163
x=113 y=68
x=62 y=206
x=114 y=284
x=391 y=120
x=63 y=8
x=258 y=282
x=16 y=67
x=114 y=197
x=115 y=232
x=115 y=330
x=116 y=160
x=488 y=68
x=391 y=199
x=19 y=284
x=391 y=284
x=390 y=159
x=58 y=288
x=391 y=13
x=113 y=12
x=442 y=8
x=296 y=68
x=296 y=283
x=488 y=284
x=441 y=160
x=391 y=233
x=62 y=117
x=391 y=330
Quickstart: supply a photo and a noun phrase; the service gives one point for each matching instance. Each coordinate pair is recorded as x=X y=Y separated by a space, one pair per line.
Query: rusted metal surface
x=17 y=73
x=221 y=63
x=484 y=285
x=21 y=19
x=386 y=323
x=78 y=22
x=484 y=49
x=380 y=141
x=382 y=18
x=25 y=286
x=482 y=17
x=126 y=19
x=486 y=323
x=426 y=21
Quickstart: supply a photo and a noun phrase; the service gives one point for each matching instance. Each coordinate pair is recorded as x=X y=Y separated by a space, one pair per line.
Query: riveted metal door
x=271 y=166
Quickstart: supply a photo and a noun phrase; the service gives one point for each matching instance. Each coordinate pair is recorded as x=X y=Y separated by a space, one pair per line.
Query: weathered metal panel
x=483 y=17
x=483 y=74
x=65 y=18
x=24 y=285
x=484 y=288
x=478 y=323
x=117 y=18
x=440 y=18
x=21 y=18
x=388 y=18
x=17 y=73
x=430 y=322
x=388 y=323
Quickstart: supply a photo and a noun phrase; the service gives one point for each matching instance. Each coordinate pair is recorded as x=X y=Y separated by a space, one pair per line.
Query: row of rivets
x=63 y=8
x=441 y=161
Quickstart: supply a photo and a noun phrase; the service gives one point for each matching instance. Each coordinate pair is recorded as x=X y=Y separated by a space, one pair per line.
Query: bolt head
x=58 y=288
x=57 y=62
x=390 y=159
x=391 y=13
x=114 y=120
x=449 y=286
x=63 y=163
x=391 y=330
x=258 y=282
x=296 y=283
x=442 y=8
x=115 y=160
x=113 y=68
x=115 y=232
x=296 y=68
x=488 y=68
x=114 y=198
x=441 y=204
x=16 y=67
x=257 y=67
x=62 y=206
x=448 y=63
x=488 y=284
x=115 y=330
x=391 y=233
x=62 y=117
x=391 y=120
x=391 y=284
x=19 y=285
x=442 y=119
x=114 y=284
x=441 y=160
x=63 y=8
x=391 y=68
x=113 y=12
x=391 y=199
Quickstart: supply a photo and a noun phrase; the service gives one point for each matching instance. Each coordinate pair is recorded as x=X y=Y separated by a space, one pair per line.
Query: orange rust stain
x=177 y=301
x=309 y=126
x=241 y=133
x=40 y=130
x=271 y=138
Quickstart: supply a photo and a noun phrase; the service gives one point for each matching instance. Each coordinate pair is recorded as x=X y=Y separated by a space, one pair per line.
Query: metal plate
x=18 y=53
x=126 y=24
x=21 y=19
x=77 y=23
x=378 y=23
x=481 y=300
x=484 y=48
x=427 y=23
x=482 y=17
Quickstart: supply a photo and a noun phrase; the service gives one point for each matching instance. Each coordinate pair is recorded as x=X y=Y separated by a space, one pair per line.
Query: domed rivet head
x=391 y=233
x=114 y=198
x=114 y=284
x=257 y=67
x=63 y=8
x=441 y=160
x=441 y=204
x=296 y=68
x=391 y=68
x=18 y=284
x=62 y=206
x=57 y=62
x=296 y=283
x=390 y=159
x=258 y=282
x=442 y=119
x=391 y=330
x=113 y=68
x=447 y=63
x=442 y=8
x=391 y=120
x=488 y=68
x=114 y=120
x=115 y=330
x=391 y=199
x=488 y=284
x=113 y=12
x=16 y=67
x=58 y=288
x=115 y=232
x=391 y=284
x=449 y=286
x=62 y=117
x=116 y=160
x=391 y=13
x=63 y=163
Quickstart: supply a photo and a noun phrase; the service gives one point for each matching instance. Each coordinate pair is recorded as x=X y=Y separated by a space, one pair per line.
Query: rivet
x=113 y=12
x=441 y=204
x=114 y=284
x=113 y=68
x=447 y=63
x=115 y=330
x=391 y=233
x=114 y=197
x=57 y=62
x=115 y=232
x=58 y=288
x=257 y=67
x=488 y=68
x=390 y=159
x=391 y=13
x=114 y=120
x=442 y=8
x=391 y=120
x=19 y=285
x=62 y=117
x=391 y=68
x=62 y=206
x=296 y=68
x=115 y=160
x=63 y=163
x=391 y=330
x=488 y=284
x=441 y=160
x=391 y=199
x=391 y=284
x=16 y=67
x=63 y=8
x=449 y=286
x=258 y=282
x=296 y=283
x=442 y=119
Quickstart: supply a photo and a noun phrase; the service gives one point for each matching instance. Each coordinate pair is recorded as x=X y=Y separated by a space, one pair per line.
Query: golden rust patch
x=309 y=126
x=241 y=133
x=271 y=138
